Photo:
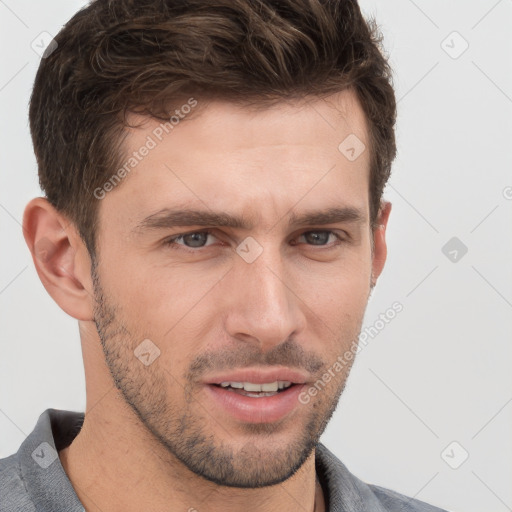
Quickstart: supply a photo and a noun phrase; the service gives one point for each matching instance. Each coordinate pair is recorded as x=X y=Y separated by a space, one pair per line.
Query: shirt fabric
x=34 y=480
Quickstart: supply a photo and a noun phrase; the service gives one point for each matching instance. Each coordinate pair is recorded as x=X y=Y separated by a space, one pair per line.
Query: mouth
x=256 y=396
x=255 y=390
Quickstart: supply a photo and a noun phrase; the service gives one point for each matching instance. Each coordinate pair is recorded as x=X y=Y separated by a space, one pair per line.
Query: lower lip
x=264 y=409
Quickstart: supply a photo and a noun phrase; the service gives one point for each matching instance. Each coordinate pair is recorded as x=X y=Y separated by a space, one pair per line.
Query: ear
x=60 y=257
x=379 y=239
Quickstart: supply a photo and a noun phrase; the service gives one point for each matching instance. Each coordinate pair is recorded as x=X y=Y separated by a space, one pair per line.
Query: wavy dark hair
x=114 y=57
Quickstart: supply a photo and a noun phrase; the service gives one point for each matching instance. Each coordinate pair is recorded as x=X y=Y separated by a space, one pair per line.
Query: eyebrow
x=169 y=218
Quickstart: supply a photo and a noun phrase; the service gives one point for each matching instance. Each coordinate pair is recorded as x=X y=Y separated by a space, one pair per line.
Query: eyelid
x=341 y=235
x=170 y=241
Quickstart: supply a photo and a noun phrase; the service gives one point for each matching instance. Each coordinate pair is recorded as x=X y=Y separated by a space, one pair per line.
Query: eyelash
x=170 y=242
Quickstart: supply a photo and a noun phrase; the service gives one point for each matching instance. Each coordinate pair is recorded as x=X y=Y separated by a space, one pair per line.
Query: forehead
x=221 y=126
x=261 y=162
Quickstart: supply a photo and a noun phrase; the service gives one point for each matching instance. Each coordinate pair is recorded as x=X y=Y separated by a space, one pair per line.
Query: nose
x=262 y=307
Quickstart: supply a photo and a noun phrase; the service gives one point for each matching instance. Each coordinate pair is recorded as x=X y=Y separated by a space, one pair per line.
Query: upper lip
x=259 y=376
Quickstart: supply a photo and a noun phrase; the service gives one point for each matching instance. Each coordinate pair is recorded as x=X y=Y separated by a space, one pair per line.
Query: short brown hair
x=120 y=56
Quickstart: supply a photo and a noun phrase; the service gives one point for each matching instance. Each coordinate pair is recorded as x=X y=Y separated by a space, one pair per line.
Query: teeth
x=270 y=386
x=265 y=387
x=249 y=386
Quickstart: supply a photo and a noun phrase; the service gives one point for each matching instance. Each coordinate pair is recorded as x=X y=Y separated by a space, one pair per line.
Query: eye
x=197 y=239
x=320 y=237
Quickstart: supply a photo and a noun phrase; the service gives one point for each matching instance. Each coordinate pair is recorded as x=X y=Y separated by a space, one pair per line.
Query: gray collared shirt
x=33 y=479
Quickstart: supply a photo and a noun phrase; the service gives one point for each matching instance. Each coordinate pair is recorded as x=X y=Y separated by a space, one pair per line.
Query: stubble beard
x=181 y=426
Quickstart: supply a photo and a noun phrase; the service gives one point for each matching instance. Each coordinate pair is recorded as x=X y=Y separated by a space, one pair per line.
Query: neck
x=114 y=464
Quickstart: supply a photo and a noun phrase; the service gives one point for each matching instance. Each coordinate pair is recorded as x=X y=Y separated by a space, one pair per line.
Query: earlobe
x=59 y=257
x=379 y=238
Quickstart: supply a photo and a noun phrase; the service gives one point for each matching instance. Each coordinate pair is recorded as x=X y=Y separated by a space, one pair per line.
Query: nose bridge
x=262 y=305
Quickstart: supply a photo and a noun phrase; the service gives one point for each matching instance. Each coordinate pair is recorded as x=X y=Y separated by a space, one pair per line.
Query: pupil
x=322 y=235
x=197 y=235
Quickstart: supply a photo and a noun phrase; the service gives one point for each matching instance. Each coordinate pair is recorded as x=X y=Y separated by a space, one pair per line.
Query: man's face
x=282 y=300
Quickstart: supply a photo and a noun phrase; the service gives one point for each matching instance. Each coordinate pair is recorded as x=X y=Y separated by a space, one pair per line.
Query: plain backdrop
x=428 y=407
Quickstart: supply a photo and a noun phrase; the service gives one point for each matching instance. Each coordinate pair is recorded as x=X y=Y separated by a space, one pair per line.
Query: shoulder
x=13 y=494
x=392 y=501
x=345 y=491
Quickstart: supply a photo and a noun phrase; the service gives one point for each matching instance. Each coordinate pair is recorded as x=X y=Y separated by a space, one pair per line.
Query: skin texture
x=151 y=435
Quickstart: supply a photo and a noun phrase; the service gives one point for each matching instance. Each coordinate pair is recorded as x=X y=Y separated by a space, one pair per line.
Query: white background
x=440 y=371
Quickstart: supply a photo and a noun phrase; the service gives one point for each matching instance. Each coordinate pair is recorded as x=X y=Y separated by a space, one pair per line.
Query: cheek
x=162 y=299
x=162 y=302
x=340 y=289
x=335 y=307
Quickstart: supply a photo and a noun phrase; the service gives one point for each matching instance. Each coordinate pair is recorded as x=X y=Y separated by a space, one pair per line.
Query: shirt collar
x=45 y=479
x=48 y=484
x=343 y=492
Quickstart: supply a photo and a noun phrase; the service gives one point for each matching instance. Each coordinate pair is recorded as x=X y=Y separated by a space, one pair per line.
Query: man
x=213 y=219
